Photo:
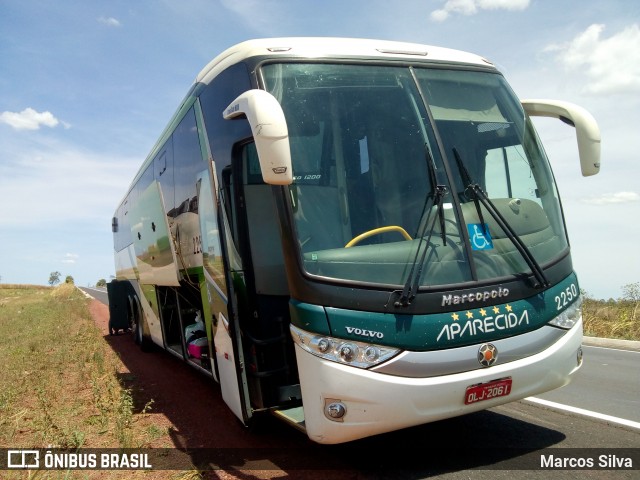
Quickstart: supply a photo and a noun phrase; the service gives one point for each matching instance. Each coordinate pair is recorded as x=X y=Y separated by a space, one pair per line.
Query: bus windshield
x=383 y=160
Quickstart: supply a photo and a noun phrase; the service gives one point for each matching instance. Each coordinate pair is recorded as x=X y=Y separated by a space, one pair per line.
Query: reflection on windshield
x=361 y=178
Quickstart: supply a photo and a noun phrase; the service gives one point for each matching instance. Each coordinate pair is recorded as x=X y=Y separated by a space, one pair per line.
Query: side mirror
x=270 y=133
x=587 y=130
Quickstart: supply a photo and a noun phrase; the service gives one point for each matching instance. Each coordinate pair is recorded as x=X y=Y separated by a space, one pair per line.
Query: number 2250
x=566 y=296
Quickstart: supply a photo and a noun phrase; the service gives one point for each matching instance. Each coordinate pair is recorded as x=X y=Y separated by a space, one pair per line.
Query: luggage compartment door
x=229 y=368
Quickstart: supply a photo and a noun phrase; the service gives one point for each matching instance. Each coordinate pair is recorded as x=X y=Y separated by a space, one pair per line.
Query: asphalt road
x=99 y=294
x=596 y=418
x=608 y=383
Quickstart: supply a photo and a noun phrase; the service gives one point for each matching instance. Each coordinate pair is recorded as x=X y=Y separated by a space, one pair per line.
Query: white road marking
x=84 y=293
x=587 y=413
x=611 y=348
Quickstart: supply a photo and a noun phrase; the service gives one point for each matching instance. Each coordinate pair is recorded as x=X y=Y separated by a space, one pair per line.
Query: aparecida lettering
x=479 y=326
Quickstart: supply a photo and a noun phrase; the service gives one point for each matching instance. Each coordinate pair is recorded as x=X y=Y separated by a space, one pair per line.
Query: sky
x=87 y=86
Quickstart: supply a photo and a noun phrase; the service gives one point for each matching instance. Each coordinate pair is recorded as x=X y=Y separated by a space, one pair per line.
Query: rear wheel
x=139 y=327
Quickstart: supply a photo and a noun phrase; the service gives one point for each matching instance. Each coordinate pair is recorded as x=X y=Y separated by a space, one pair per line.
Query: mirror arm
x=587 y=130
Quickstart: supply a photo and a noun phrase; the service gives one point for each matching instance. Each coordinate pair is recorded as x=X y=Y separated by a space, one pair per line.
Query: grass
x=60 y=384
x=611 y=319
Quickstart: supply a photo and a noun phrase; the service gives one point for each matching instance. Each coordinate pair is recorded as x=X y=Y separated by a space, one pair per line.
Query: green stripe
x=439 y=331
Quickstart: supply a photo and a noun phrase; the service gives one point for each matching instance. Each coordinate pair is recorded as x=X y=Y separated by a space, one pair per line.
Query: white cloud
x=606 y=65
x=471 y=7
x=28 y=119
x=110 y=21
x=50 y=182
x=612 y=198
x=70 y=258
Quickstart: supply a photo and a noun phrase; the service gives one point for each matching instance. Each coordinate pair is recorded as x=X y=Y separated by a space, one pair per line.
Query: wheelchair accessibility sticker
x=479 y=236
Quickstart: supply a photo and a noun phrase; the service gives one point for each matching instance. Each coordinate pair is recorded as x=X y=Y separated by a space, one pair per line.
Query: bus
x=356 y=236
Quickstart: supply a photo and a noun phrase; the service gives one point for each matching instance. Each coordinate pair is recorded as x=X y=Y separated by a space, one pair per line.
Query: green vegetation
x=61 y=381
x=613 y=318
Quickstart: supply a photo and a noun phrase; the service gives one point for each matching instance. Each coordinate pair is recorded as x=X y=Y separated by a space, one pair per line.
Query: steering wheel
x=378 y=231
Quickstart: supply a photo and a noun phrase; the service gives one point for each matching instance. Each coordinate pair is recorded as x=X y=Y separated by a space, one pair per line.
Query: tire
x=134 y=322
x=146 y=344
x=137 y=333
x=139 y=326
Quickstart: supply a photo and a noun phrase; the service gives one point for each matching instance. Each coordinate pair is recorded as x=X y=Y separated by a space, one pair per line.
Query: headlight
x=356 y=354
x=570 y=316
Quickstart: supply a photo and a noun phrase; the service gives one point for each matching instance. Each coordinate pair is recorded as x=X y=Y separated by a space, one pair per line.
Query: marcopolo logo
x=487 y=354
x=481 y=296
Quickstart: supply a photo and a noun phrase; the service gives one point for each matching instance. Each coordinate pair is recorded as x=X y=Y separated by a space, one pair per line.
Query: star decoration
x=455 y=317
x=508 y=307
x=496 y=310
x=483 y=312
x=469 y=315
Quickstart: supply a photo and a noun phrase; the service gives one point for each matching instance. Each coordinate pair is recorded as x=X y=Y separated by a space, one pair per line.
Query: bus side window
x=163 y=173
x=227 y=196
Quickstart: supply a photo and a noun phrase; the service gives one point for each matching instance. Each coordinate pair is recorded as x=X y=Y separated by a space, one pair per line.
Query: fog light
x=579 y=356
x=335 y=411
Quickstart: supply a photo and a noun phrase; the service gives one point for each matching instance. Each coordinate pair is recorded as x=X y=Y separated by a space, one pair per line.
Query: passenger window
x=188 y=163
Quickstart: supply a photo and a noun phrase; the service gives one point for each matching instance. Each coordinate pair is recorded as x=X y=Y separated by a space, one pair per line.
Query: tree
x=101 y=283
x=69 y=279
x=54 y=278
x=631 y=293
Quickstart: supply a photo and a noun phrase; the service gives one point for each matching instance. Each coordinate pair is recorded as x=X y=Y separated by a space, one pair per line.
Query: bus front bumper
x=365 y=403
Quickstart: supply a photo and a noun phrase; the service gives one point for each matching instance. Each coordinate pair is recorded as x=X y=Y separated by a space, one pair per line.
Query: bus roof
x=327 y=47
x=315 y=47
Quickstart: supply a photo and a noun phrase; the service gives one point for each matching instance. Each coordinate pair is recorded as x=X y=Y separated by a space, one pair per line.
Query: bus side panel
x=125 y=261
x=149 y=305
x=155 y=252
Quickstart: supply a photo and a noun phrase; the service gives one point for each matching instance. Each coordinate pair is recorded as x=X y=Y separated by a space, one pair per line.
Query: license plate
x=487 y=391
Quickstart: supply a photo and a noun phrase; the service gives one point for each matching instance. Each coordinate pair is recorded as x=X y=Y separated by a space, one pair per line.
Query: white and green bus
x=355 y=235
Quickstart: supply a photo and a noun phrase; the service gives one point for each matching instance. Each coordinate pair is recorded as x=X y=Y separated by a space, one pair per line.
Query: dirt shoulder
x=188 y=406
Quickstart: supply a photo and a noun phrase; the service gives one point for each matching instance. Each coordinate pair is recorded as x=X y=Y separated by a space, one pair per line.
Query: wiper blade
x=438 y=192
x=480 y=196
x=466 y=178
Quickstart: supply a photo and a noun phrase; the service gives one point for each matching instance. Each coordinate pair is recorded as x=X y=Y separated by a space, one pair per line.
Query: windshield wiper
x=466 y=179
x=438 y=192
x=480 y=196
